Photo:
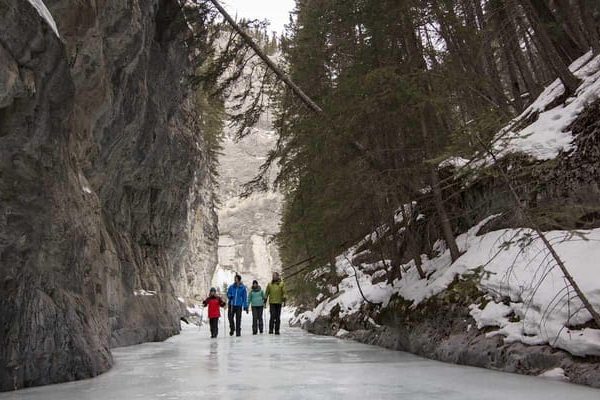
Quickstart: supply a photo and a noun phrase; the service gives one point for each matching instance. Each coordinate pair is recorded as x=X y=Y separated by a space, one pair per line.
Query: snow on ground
x=45 y=14
x=530 y=301
x=546 y=137
x=556 y=374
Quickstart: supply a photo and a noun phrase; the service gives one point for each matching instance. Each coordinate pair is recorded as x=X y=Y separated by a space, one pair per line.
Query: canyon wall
x=106 y=200
x=247 y=226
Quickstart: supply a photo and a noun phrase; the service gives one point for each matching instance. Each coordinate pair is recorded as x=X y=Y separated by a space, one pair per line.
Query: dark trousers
x=214 y=327
x=257 y=319
x=275 y=318
x=235 y=311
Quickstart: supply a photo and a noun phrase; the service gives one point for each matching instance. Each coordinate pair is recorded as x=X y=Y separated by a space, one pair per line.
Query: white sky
x=276 y=11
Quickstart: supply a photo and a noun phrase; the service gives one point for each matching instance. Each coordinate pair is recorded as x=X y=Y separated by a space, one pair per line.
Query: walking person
x=214 y=304
x=238 y=301
x=276 y=296
x=256 y=299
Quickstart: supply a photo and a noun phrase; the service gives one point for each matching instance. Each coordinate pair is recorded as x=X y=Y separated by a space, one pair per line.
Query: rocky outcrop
x=106 y=202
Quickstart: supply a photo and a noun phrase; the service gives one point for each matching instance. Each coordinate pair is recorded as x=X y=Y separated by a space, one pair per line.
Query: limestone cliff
x=247 y=226
x=106 y=200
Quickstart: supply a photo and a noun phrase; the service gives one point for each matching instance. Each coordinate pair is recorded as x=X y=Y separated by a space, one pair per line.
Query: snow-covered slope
x=548 y=134
x=526 y=296
x=542 y=130
x=529 y=299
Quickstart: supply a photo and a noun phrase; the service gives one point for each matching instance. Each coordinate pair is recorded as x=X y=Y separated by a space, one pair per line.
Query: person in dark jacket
x=256 y=299
x=214 y=304
x=276 y=296
x=238 y=300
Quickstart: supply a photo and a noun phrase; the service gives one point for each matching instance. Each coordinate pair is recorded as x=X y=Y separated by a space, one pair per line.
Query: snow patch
x=455 y=162
x=494 y=314
x=144 y=292
x=556 y=374
x=342 y=333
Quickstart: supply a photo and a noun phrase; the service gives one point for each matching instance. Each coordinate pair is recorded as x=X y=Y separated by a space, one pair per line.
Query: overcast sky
x=276 y=11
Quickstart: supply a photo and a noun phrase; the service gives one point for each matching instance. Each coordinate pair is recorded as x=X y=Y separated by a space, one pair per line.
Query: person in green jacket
x=256 y=299
x=276 y=295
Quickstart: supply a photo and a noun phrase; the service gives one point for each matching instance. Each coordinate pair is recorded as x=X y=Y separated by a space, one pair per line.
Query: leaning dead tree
x=267 y=60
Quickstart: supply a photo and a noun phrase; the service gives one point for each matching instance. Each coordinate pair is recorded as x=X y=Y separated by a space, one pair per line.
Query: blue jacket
x=238 y=295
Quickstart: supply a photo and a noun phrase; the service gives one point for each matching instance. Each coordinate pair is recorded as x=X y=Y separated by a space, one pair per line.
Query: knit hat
x=255 y=281
x=213 y=290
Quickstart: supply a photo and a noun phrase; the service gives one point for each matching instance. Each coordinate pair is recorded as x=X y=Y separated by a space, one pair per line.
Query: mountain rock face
x=247 y=226
x=106 y=200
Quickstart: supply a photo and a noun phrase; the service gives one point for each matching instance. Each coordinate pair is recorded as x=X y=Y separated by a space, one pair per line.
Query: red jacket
x=213 y=303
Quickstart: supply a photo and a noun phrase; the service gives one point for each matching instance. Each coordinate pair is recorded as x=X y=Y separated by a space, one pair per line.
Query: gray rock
x=105 y=189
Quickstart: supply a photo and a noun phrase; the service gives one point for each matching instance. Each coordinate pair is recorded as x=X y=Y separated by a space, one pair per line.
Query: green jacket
x=256 y=298
x=276 y=292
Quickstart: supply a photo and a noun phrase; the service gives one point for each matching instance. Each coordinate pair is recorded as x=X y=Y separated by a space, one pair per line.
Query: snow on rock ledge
x=45 y=14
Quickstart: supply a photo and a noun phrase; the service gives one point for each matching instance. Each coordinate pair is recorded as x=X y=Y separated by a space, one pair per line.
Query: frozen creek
x=295 y=365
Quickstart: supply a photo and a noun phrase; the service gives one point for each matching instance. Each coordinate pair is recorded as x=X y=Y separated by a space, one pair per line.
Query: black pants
x=257 y=319
x=237 y=324
x=214 y=327
x=275 y=319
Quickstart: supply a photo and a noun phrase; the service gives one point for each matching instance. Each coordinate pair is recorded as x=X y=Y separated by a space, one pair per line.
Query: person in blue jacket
x=238 y=300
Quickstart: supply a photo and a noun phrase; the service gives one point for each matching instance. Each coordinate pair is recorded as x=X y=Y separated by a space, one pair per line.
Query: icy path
x=295 y=365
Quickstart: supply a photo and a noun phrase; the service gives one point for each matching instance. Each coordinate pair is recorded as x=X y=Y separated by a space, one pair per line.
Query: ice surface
x=295 y=365
x=45 y=14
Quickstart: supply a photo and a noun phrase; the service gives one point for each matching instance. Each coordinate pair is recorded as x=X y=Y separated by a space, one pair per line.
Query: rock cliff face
x=106 y=201
x=247 y=226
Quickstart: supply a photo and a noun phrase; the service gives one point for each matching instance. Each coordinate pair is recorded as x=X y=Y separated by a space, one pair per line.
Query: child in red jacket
x=214 y=303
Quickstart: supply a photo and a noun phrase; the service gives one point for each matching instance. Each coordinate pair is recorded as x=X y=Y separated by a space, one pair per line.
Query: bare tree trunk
x=414 y=248
x=591 y=29
x=569 y=17
x=511 y=39
x=489 y=61
x=443 y=215
x=514 y=80
x=566 y=47
x=549 y=51
x=438 y=198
